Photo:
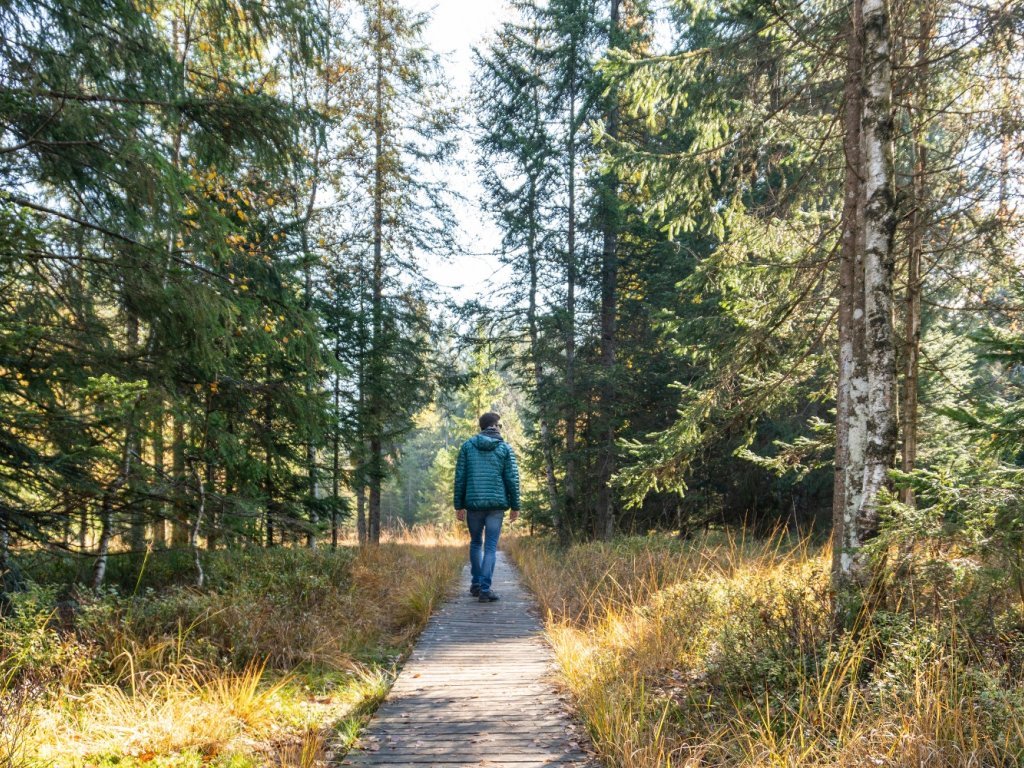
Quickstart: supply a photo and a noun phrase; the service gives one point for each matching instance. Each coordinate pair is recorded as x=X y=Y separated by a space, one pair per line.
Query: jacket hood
x=487 y=440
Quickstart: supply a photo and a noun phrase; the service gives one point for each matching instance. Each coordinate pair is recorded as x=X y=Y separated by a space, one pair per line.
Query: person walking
x=486 y=484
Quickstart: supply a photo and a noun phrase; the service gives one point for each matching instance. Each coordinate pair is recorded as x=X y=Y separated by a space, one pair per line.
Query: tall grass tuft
x=720 y=651
x=278 y=661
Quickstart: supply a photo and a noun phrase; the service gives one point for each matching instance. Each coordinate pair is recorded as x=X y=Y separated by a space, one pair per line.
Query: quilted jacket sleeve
x=459 y=496
x=510 y=476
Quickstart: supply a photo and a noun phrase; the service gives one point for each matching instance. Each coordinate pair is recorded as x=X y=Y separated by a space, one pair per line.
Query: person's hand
x=460 y=515
x=513 y=515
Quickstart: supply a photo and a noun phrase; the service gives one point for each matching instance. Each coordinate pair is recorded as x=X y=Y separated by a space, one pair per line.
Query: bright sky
x=455 y=28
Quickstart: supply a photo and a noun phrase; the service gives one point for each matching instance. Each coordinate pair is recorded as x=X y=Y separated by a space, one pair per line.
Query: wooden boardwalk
x=476 y=691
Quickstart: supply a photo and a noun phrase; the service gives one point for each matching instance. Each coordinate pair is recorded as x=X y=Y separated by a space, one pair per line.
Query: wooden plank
x=477 y=690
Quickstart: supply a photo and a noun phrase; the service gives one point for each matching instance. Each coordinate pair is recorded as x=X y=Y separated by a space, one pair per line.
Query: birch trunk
x=193 y=538
x=99 y=570
x=850 y=395
x=879 y=227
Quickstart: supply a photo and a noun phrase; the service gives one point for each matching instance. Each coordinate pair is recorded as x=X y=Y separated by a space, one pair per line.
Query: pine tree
x=516 y=154
x=408 y=125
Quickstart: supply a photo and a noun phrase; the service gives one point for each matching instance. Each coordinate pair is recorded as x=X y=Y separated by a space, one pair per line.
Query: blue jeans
x=483 y=552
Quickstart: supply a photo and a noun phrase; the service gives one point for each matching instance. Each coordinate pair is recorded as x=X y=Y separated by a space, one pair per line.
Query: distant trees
x=409 y=123
x=541 y=94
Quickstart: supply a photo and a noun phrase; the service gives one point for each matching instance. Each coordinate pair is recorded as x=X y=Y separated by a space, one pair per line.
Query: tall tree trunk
x=193 y=538
x=850 y=396
x=609 y=280
x=336 y=456
x=179 y=532
x=879 y=227
x=375 y=378
x=373 y=496
x=912 y=309
x=160 y=518
x=538 y=378
x=213 y=527
x=6 y=572
x=361 y=513
x=99 y=570
x=570 y=509
x=181 y=37
x=312 y=469
x=137 y=514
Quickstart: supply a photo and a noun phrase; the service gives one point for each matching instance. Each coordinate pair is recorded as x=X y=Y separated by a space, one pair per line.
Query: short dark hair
x=489 y=419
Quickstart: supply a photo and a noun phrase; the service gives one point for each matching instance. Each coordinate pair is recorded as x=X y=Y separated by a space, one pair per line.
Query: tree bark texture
x=918 y=222
x=850 y=395
x=879 y=441
x=374 y=382
x=609 y=308
x=569 y=515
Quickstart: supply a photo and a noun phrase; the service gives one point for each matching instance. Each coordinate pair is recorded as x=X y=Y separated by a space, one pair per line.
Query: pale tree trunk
x=918 y=221
x=850 y=397
x=193 y=538
x=609 y=286
x=879 y=227
x=99 y=570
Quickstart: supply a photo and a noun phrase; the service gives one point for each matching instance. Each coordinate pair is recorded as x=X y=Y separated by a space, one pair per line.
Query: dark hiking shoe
x=488 y=597
x=474 y=591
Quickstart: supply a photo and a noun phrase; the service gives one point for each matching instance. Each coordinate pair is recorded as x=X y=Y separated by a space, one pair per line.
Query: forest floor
x=719 y=651
x=277 y=662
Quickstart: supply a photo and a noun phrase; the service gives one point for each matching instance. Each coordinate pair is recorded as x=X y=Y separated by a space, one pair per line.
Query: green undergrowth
x=721 y=651
x=277 y=661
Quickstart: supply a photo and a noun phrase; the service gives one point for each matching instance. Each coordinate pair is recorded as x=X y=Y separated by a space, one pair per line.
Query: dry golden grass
x=719 y=652
x=273 y=669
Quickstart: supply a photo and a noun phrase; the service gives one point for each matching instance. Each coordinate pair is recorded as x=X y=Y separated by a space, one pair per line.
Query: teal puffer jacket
x=486 y=475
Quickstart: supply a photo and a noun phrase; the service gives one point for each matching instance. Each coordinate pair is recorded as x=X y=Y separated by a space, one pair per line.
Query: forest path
x=476 y=691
